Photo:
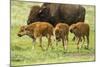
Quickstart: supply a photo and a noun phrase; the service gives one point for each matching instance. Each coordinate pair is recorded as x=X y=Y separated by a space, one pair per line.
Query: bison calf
x=37 y=30
x=61 y=33
x=80 y=30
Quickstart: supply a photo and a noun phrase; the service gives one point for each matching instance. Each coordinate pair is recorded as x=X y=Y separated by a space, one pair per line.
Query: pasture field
x=23 y=53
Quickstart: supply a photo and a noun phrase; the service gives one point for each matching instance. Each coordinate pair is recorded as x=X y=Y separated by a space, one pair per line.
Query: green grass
x=22 y=52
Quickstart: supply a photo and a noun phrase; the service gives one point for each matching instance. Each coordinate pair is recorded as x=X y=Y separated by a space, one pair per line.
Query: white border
x=84 y=2
x=4 y=33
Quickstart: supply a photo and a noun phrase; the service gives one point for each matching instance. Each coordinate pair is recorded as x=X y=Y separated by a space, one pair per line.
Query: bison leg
x=73 y=38
x=83 y=41
x=41 y=42
x=87 y=47
x=64 y=43
x=34 y=41
x=49 y=41
x=79 y=39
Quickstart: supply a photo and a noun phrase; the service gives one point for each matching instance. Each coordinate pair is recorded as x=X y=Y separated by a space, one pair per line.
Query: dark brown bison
x=54 y=13
x=61 y=33
x=33 y=15
x=37 y=30
x=36 y=15
x=80 y=30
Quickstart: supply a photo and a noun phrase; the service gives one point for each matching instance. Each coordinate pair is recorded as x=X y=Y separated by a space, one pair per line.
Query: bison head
x=49 y=11
x=58 y=35
x=25 y=31
x=22 y=31
x=75 y=30
x=33 y=16
x=72 y=28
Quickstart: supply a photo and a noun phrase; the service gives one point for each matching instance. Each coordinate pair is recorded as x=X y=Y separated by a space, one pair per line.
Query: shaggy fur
x=54 y=13
x=61 y=33
x=37 y=30
x=80 y=30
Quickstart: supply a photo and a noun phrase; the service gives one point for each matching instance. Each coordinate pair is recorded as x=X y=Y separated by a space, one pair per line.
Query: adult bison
x=37 y=14
x=54 y=13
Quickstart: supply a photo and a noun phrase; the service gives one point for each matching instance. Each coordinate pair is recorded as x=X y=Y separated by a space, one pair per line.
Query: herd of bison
x=57 y=20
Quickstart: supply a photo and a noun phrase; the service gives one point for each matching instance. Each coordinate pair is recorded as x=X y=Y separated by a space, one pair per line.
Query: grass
x=22 y=52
